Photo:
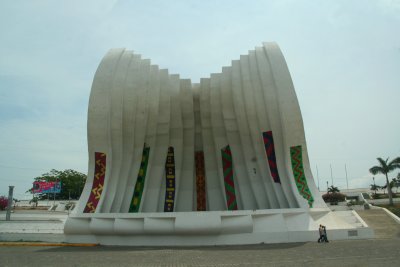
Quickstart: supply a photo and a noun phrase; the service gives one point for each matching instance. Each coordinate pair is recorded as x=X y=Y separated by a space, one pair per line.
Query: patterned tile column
x=298 y=172
x=270 y=151
x=227 y=166
x=139 y=186
x=200 y=181
x=98 y=182
x=170 y=177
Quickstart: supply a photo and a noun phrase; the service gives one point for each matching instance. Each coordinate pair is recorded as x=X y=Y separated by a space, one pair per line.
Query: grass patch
x=383 y=196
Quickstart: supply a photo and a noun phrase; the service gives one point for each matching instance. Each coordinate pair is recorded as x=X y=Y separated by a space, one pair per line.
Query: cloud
x=343 y=57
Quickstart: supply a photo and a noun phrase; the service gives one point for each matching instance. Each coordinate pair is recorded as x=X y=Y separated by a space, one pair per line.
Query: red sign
x=46 y=187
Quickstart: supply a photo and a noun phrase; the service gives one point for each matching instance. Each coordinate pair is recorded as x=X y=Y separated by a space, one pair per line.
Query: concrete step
x=383 y=225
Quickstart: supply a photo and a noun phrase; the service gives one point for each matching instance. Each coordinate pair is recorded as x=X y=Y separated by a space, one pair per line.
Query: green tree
x=384 y=168
x=395 y=183
x=72 y=183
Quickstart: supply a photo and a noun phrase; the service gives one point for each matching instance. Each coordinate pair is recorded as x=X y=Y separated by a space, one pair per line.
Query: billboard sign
x=46 y=187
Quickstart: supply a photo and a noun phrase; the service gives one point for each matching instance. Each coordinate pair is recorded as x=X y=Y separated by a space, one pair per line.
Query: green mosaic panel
x=139 y=186
x=298 y=173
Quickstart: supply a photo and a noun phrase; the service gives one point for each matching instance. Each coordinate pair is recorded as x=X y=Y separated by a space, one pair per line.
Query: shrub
x=3 y=202
x=376 y=196
x=334 y=198
x=383 y=196
x=34 y=201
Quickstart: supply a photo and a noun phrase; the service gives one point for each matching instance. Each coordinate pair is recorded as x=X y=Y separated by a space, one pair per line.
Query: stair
x=382 y=224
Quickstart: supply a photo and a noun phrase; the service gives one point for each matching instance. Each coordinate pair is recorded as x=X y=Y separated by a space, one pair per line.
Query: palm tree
x=374 y=187
x=384 y=168
x=333 y=189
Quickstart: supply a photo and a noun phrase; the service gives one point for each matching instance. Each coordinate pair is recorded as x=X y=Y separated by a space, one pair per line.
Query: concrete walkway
x=377 y=252
x=382 y=224
x=384 y=250
x=27 y=223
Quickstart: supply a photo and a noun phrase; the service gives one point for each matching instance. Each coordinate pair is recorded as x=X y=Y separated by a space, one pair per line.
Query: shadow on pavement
x=197 y=248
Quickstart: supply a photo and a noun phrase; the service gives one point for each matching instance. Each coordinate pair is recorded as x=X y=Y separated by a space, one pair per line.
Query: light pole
x=347 y=181
x=10 y=200
x=373 y=178
x=327 y=187
x=317 y=176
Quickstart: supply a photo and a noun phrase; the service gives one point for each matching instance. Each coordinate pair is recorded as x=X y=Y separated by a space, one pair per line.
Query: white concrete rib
x=229 y=81
x=176 y=137
x=127 y=136
x=198 y=142
x=216 y=198
x=155 y=173
x=152 y=125
x=271 y=122
x=117 y=140
x=254 y=99
x=292 y=122
x=103 y=122
x=186 y=191
x=250 y=135
x=97 y=118
x=130 y=106
x=276 y=120
x=219 y=133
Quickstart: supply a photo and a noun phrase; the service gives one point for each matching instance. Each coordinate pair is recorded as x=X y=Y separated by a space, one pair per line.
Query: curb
x=38 y=244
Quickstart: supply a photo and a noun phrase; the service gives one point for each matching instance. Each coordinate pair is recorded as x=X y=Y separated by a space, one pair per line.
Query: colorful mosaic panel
x=270 y=151
x=170 y=179
x=298 y=172
x=98 y=182
x=139 y=186
x=227 y=166
x=200 y=181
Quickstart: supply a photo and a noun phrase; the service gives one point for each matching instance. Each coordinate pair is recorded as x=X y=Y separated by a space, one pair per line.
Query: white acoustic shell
x=224 y=157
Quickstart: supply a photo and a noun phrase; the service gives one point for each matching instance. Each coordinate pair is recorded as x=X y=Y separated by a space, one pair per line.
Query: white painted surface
x=213 y=228
x=133 y=103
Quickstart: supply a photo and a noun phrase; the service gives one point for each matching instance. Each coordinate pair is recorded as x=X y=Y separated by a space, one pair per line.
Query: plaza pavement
x=377 y=252
x=384 y=250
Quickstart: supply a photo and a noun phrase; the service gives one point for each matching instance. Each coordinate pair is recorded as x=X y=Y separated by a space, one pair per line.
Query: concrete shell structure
x=220 y=162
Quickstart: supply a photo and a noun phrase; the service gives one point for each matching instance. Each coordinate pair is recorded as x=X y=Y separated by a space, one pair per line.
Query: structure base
x=214 y=228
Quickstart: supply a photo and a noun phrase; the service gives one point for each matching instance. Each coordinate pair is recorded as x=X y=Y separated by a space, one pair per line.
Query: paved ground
x=382 y=251
x=27 y=223
x=33 y=213
x=379 y=252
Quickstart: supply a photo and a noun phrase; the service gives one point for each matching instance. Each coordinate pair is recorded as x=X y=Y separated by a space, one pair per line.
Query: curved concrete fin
x=156 y=173
x=186 y=184
x=214 y=183
x=231 y=82
x=251 y=133
x=272 y=123
x=99 y=122
x=219 y=132
x=130 y=100
x=292 y=122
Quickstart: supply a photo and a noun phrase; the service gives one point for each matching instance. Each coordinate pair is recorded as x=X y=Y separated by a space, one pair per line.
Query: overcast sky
x=344 y=58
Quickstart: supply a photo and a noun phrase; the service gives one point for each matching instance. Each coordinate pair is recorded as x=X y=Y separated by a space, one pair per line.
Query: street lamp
x=373 y=178
x=9 y=203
